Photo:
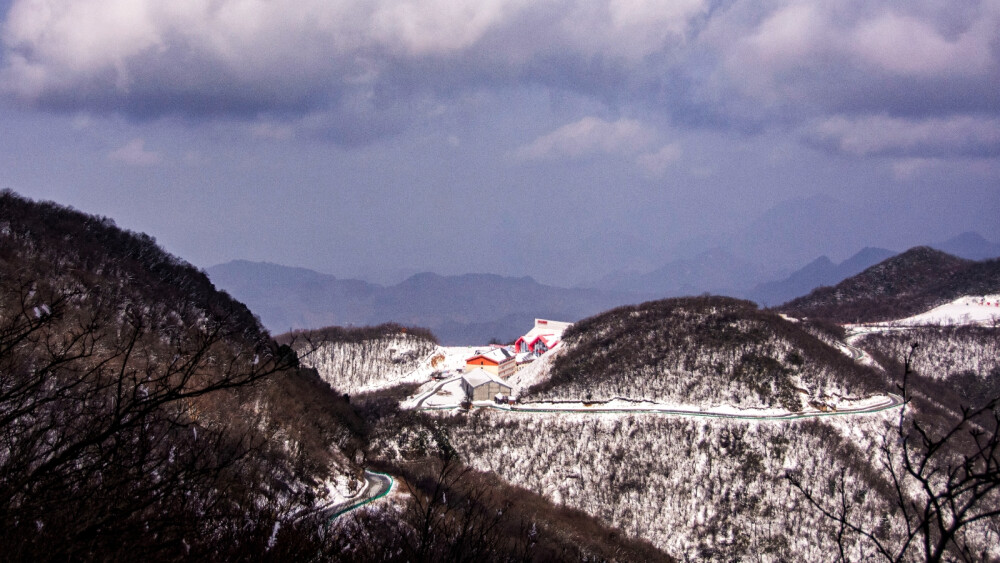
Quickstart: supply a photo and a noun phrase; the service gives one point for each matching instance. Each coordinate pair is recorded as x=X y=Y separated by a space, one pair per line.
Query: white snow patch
x=981 y=310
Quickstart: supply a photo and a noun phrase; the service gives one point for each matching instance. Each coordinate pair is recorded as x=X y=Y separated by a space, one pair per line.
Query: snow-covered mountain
x=702 y=351
x=720 y=484
x=140 y=407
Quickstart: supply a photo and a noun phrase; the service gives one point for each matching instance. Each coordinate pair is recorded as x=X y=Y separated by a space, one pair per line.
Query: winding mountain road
x=891 y=401
x=377 y=486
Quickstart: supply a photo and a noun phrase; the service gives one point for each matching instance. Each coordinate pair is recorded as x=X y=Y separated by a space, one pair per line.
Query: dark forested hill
x=702 y=351
x=909 y=283
x=139 y=407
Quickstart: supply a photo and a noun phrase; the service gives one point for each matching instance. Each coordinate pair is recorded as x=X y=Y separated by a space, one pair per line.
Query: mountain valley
x=689 y=428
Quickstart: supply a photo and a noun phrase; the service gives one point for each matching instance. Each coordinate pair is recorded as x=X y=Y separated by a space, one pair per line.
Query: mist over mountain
x=715 y=271
x=970 y=245
x=783 y=253
x=797 y=231
x=464 y=309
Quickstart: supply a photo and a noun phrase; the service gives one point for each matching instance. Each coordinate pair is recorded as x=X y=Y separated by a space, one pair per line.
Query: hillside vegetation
x=701 y=351
x=357 y=359
x=910 y=283
x=704 y=490
x=143 y=414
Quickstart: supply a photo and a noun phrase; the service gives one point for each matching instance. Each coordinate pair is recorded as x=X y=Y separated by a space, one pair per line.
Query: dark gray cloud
x=369 y=68
x=364 y=133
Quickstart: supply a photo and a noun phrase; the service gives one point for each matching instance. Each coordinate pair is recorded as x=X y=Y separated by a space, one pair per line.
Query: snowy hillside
x=366 y=359
x=905 y=285
x=957 y=341
x=707 y=351
x=699 y=489
x=967 y=310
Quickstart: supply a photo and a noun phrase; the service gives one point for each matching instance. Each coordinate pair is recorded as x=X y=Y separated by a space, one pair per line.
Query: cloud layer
x=356 y=71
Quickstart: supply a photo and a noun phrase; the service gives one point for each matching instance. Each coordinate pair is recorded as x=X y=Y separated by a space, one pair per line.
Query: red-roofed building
x=545 y=336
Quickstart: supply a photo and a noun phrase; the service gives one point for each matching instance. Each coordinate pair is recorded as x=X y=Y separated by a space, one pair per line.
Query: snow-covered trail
x=445 y=395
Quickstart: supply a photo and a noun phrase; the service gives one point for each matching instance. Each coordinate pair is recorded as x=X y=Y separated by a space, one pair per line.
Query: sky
x=559 y=139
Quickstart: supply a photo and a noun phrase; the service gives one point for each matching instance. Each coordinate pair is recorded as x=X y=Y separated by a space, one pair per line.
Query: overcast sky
x=555 y=138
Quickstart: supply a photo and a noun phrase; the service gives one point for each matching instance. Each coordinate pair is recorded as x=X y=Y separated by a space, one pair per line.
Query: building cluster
x=486 y=372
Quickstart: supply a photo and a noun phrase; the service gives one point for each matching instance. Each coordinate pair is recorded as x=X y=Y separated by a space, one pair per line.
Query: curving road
x=377 y=486
x=432 y=392
x=891 y=401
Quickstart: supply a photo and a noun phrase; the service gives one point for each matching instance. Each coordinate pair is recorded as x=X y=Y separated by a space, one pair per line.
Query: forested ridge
x=143 y=413
x=362 y=358
x=701 y=351
x=907 y=284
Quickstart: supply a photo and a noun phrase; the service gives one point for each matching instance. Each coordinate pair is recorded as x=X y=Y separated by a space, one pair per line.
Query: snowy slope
x=982 y=310
x=370 y=364
x=700 y=489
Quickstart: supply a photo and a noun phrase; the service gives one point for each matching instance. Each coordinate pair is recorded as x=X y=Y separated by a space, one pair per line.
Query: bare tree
x=454 y=518
x=942 y=482
x=110 y=442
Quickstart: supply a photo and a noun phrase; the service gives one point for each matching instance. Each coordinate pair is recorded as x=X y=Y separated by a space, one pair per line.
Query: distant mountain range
x=971 y=246
x=713 y=271
x=476 y=308
x=736 y=269
x=465 y=309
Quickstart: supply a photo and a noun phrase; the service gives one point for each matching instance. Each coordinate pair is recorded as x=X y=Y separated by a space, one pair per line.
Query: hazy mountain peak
x=970 y=245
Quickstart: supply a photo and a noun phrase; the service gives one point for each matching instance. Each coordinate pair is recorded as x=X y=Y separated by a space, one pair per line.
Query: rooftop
x=480 y=377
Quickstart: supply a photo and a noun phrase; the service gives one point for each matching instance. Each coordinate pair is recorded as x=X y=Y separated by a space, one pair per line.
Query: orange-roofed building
x=498 y=361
